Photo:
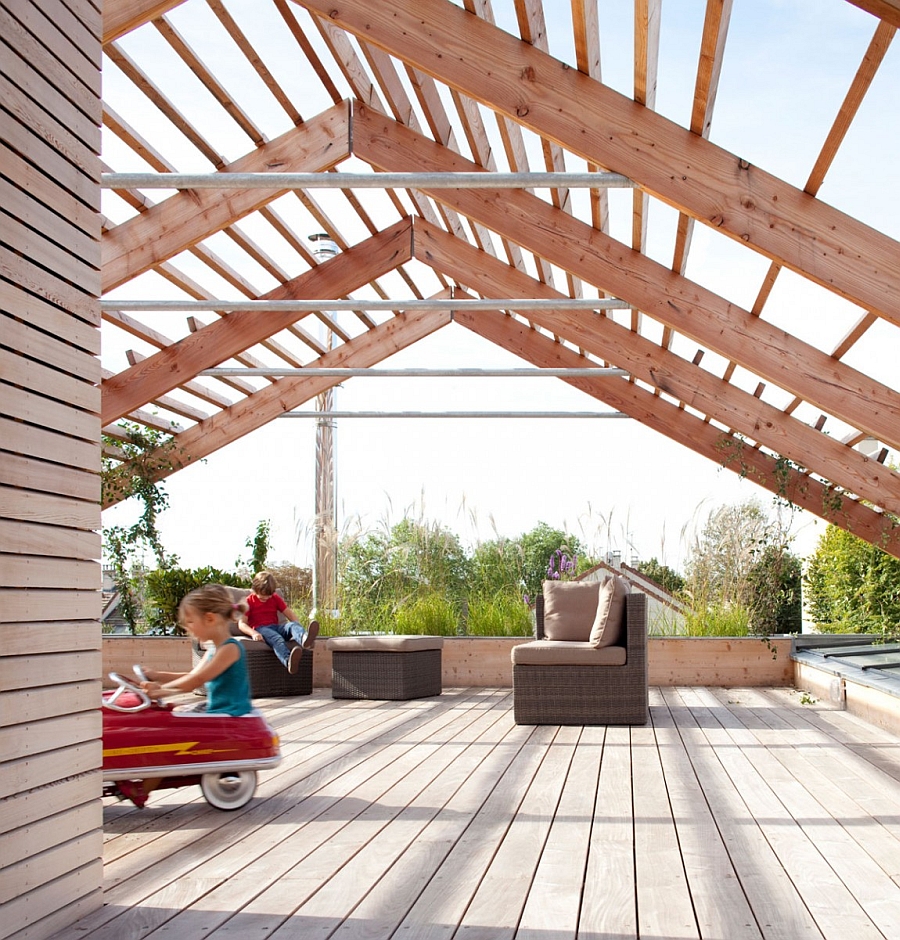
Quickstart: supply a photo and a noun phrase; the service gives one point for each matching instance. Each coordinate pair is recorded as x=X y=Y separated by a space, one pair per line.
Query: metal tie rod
x=337 y=372
x=328 y=415
x=333 y=305
x=284 y=181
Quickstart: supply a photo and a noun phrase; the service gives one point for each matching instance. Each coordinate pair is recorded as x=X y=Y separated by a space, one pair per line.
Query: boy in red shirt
x=261 y=622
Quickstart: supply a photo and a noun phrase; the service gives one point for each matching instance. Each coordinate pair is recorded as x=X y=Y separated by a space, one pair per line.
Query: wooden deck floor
x=735 y=814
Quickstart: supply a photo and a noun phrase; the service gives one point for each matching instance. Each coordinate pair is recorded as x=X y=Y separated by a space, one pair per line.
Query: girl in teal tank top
x=207 y=614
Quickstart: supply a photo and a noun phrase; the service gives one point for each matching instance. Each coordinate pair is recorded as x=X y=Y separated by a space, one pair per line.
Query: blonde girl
x=207 y=614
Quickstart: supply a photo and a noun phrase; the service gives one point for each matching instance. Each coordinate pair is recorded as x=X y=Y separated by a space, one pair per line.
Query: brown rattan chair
x=553 y=685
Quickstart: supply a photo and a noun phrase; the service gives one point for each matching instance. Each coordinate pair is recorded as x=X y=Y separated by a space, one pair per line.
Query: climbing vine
x=130 y=468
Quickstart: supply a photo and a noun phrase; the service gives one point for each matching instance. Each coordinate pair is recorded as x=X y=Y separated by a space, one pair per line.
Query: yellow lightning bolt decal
x=181 y=749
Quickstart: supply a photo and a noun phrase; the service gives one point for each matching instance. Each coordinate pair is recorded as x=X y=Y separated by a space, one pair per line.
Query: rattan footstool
x=385 y=667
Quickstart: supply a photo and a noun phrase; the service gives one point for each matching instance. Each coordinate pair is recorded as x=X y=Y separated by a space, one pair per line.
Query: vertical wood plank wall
x=50 y=753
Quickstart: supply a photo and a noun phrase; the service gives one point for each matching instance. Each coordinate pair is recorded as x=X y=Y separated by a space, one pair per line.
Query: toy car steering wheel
x=125 y=686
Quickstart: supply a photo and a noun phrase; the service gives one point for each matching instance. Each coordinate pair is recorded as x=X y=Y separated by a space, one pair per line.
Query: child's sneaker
x=312 y=631
x=294 y=658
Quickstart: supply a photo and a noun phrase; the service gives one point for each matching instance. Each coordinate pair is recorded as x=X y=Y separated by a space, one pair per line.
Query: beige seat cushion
x=569 y=609
x=405 y=643
x=609 y=618
x=566 y=653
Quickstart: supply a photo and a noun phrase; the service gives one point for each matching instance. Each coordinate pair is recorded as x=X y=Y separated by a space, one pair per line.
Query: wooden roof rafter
x=408 y=60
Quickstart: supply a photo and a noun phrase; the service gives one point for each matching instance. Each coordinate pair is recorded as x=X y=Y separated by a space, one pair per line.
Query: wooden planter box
x=485 y=661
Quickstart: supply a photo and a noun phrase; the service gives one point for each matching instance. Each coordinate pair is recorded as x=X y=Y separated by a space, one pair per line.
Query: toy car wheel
x=229 y=790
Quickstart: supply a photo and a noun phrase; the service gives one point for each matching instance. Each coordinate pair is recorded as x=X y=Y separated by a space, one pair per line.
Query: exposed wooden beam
x=122 y=16
x=663 y=370
x=186 y=218
x=671 y=299
x=873 y=58
x=182 y=361
x=709 y=68
x=887 y=10
x=693 y=175
x=693 y=433
x=263 y=406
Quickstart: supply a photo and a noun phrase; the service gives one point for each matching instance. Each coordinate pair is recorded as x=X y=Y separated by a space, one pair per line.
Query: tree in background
x=741 y=578
x=663 y=575
x=852 y=586
x=538 y=547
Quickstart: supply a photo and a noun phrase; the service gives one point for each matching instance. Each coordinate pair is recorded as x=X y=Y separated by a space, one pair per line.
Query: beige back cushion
x=606 y=629
x=569 y=609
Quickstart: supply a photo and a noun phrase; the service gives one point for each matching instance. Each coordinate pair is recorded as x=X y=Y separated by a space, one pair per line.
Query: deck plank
x=735 y=814
x=719 y=901
x=837 y=912
x=779 y=909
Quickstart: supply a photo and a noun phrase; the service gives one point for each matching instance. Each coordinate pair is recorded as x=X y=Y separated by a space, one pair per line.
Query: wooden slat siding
x=48 y=445
x=25 y=639
x=48 y=335
x=50 y=753
x=48 y=480
x=57 y=204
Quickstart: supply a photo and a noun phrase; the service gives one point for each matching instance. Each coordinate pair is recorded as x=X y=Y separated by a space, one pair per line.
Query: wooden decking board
x=720 y=905
x=664 y=904
x=496 y=907
x=735 y=814
x=609 y=908
x=561 y=870
x=779 y=909
x=851 y=842
x=288 y=811
x=837 y=912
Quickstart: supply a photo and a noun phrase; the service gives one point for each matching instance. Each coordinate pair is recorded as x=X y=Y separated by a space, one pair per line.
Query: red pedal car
x=145 y=739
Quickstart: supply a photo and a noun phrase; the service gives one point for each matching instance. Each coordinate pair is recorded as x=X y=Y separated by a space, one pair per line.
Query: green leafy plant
x=504 y=614
x=130 y=468
x=165 y=587
x=260 y=544
x=852 y=586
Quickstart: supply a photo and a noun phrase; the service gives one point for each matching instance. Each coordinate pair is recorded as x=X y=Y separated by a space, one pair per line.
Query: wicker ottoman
x=385 y=667
x=267 y=676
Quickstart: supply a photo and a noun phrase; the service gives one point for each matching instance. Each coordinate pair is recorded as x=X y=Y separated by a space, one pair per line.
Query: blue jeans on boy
x=277 y=636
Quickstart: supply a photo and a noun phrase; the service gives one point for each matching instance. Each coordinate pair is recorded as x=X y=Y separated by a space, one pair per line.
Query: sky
x=614 y=484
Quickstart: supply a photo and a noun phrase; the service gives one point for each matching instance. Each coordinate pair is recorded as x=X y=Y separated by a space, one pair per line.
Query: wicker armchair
x=555 y=685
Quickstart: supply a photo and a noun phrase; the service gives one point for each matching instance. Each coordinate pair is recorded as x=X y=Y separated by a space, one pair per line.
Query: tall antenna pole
x=325 y=569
